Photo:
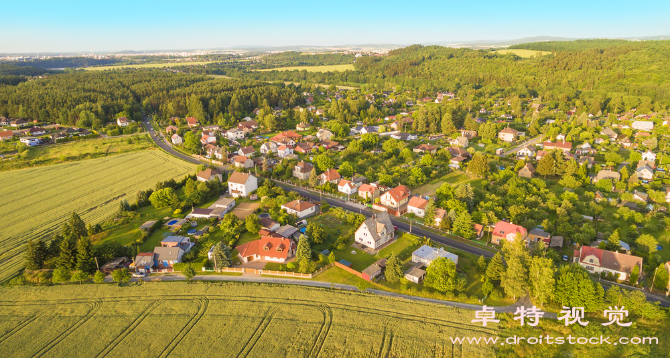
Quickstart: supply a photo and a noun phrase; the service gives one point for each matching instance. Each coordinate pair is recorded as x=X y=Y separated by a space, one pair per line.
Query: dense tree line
x=578 y=45
x=293 y=58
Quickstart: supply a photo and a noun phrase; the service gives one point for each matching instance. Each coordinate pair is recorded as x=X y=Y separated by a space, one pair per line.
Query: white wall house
x=235 y=134
x=375 y=231
x=417 y=206
x=242 y=184
x=300 y=208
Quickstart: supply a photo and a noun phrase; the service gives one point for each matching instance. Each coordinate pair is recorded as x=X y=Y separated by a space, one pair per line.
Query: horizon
x=45 y=27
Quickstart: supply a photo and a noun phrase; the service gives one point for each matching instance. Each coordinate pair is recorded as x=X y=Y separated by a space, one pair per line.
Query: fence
x=275 y=273
x=349 y=269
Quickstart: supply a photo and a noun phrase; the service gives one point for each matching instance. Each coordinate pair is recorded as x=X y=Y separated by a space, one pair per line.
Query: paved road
x=166 y=147
x=400 y=224
x=518 y=147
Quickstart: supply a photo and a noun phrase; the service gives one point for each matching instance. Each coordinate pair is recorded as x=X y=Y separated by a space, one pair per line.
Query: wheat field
x=36 y=201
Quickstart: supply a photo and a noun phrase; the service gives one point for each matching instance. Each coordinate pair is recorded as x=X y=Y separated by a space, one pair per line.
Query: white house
x=209 y=175
x=176 y=139
x=330 y=175
x=269 y=147
x=122 y=122
x=31 y=141
x=284 y=151
x=597 y=260
x=649 y=156
x=247 y=151
x=426 y=254
x=300 y=208
x=347 y=187
x=324 y=134
x=235 y=134
x=645 y=172
x=375 y=231
x=643 y=125
x=417 y=206
x=242 y=184
x=526 y=152
x=241 y=161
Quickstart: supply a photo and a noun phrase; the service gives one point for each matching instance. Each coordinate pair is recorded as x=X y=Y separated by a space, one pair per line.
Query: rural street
x=518 y=147
x=166 y=147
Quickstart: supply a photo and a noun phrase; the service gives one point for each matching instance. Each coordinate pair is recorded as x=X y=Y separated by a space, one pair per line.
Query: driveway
x=244 y=209
x=518 y=147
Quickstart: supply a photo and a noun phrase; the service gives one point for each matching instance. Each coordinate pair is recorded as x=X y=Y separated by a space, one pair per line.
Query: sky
x=74 y=26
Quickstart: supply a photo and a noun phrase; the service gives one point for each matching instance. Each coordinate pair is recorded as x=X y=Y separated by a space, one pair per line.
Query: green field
x=523 y=53
x=146 y=65
x=36 y=201
x=227 y=320
x=326 y=68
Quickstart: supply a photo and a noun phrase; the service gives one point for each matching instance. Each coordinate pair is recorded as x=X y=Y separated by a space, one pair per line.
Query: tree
x=323 y=162
x=646 y=243
x=546 y=165
x=35 y=254
x=306 y=266
x=634 y=275
x=429 y=215
x=163 y=198
x=393 y=271
x=79 y=276
x=252 y=223
x=481 y=264
x=463 y=226
x=121 y=275
x=99 y=277
x=77 y=225
x=222 y=257
x=614 y=239
x=541 y=278
x=487 y=287
x=191 y=142
x=479 y=165
x=313 y=178
x=346 y=170
x=441 y=275
x=495 y=269
x=574 y=288
x=427 y=160
x=60 y=275
x=85 y=260
x=67 y=257
x=331 y=257
x=447 y=123
x=304 y=251
x=188 y=271
x=662 y=277
x=515 y=278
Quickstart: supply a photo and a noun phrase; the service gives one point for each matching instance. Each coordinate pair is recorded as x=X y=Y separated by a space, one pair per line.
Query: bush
x=462 y=296
x=496 y=295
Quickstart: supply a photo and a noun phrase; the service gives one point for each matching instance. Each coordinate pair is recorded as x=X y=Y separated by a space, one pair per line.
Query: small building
x=241 y=161
x=415 y=274
x=426 y=254
x=30 y=141
x=247 y=151
x=527 y=171
x=235 y=134
x=417 y=206
x=425 y=148
x=375 y=270
x=504 y=231
x=302 y=170
x=324 y=134
x=269 y=224
x=300 y=208
x=330 y=176
x=176 y=139
x=607 y=174
x=563 y=146
x=508 y=135
x=166 y=257
x=242 y=184
x=647 y=126
x=122 y=122
x=597 y=260
x=347 y=187
x=115 y=264
x=143 y=262
x=536 y=235
x=396 y=199
x=209 y=174
x=368 y=191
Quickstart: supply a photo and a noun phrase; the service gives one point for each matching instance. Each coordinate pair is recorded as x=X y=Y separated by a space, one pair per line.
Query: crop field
x=523 y=53
x=179 y=319
x=326 y=68
x=36 y=201
x=147 y=65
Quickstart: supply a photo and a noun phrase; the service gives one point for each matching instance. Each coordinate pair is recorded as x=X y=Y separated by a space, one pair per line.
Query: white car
x=139 y=274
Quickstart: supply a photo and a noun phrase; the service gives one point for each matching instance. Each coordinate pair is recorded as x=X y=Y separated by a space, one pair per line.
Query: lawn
x=147 y=65
x=333 y=228
x=454 y=179
x=39 y=200
x=327 y=68
x=523 y=53
x=78 y=150
x=208 y=319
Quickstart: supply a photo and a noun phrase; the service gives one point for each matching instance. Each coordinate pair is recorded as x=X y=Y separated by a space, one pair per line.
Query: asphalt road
x=166 y=147
x=400 y=224
x=518 y=147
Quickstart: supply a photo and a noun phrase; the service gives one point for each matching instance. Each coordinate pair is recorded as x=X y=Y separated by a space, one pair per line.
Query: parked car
x=139 y=274
x=565 y=257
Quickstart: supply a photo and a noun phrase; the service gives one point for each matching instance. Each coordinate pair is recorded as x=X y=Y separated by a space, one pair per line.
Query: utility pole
x=96 y=263
x=410 y=226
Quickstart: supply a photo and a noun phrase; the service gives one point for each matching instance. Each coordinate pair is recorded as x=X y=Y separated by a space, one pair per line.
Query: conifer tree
x=393 y=269
x=85 y=260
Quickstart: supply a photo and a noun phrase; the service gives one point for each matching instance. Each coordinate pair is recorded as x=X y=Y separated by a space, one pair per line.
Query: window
x=590 y=261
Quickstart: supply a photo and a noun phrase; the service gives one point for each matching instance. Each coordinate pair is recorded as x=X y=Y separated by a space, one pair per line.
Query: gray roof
x=430 y=253
x=144 y=260
x=177 y=239
x=286 y=231
x=371 y=224
x=539 y=232
x=415 y=272
x=224 y=202
x=167 y=253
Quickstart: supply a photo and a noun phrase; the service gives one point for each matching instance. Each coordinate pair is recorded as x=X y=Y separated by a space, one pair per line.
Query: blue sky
x=43 y=26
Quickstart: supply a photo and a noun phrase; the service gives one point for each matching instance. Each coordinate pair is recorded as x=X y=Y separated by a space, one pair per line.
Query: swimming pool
x=264 y=215
x=192 y=231
x=172 y=222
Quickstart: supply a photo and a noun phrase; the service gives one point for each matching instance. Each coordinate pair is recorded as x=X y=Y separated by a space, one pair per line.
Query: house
x=376 y=231
x=191 y=121
x=507 y=116
x=649 y=156
x=599 y=196
x=508 y=135
x=455 y=162
x=324 y=134
x=439 y=216
x=182 y=242
x=417 y=206
x=597 y=260
x=396 y=199
x=504 y=231
x=241 y=161
x=242 y=184
x=302 y=170
x=143 y=262
x=235 y=134
x=301 y=208
x=288 y=232
x=116 y=263
x=222 y=206
x=638 y=195
x=275 y=249
x=176 y=139
x=483 y=111
x=426 y=254
x=538 y=235
x=247 y=126
x=304 y=147
x=610 y=133
x=624 y=141
x=415 y=274
x=643 y=125
x=166 y=257
x=458 y=152
x=403 y=136
x=347 y=187
x=589 y=161
x=247 y=151
x=209 y=174
x=564 y=146
x=560 y=137
x=36 y=131
x=207 y=139
x=302 y=126
x=459 y=142
x=468 y=134
x=479 y=230
x=556 y=242
x=269 y=224
x=607 y=174
x=330 y=176
x=269 y=147
x=425 y=148
x=368 y=191
x=18 y=122
x=6 y=135
x=30 y=141
x=284 y=151
x=369 y=129
x=527 y=171
x=288 y=137
x=645 y=172
x=374 y=270
x=526 y=152
x=122 y=121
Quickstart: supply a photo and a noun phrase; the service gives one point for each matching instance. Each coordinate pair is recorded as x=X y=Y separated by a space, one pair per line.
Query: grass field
x=146 y=65
x=229 y=320
x=78 y=150
x=523 y=53
x=453 y=178
x=36 y=201
x=326 y=68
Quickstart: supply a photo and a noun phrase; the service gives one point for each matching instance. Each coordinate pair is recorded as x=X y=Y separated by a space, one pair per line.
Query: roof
x=425 y=147
x=144 y=259
x=267 y=222
x=563 y=144
x=331 y=174
x=175 y=239
x=6 y=134
x=611 y=260
x=191 y=120
x=398 y=193
x=239 y=178
x=417 y=202
x=207 y=173
x=503 y=228
x=539 y=232
x=298 y=205
x=241 y=159
x=167 y=253
x=415 y=272
x=430 y=253
x=247 y=150
x=275 y=247
x=304 y=167
x=286 y=230
x=286 y=135
x=346 y=183
x=608 y=174
x=509 y=130
x=478 y=227
x=201 y=211
x=371 y=189
x=224 y=202
x=383 y=220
